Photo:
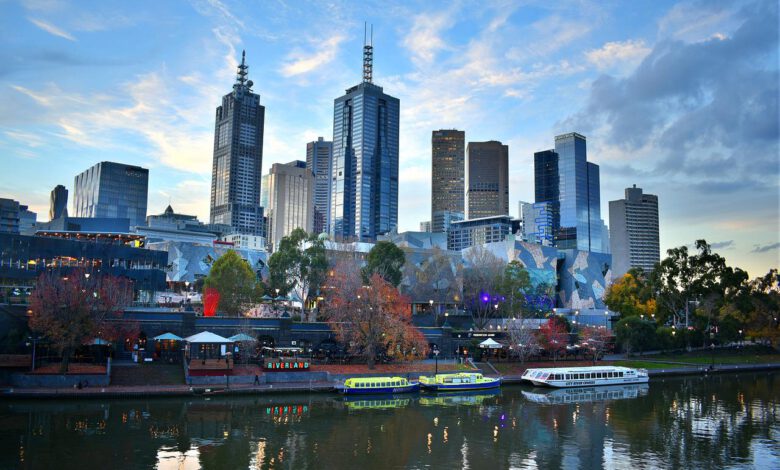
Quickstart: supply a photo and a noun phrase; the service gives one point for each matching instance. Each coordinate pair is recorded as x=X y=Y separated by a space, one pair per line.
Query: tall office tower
x=633 y=226
x=448 y=153
x=58 y=202
x=546 y=186
x=524 y=214
x=425 y=226
x=264 y=190
x=579 y=211
x=487 y=179
x=112 y=190
x=290 y=200
x=318 y=156
x=238 y=158
x=364 y=178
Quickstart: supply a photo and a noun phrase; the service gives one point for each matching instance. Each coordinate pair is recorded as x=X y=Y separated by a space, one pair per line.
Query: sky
x=679 y=98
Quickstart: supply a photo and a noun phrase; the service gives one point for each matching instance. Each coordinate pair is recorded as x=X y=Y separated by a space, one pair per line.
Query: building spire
x=242 y=70
x=368 y=55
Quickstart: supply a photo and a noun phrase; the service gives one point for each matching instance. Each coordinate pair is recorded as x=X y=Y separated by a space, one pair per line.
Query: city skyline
x=706 y=141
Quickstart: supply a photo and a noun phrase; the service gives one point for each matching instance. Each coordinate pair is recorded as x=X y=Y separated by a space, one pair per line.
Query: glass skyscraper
x=579 y=211
x=112 y=190
x=318 y=157
x=364 y=173
x=238 y=158
x=487 y=179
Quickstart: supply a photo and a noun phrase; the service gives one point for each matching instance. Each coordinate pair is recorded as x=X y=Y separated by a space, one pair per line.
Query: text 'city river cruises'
x=585 y=376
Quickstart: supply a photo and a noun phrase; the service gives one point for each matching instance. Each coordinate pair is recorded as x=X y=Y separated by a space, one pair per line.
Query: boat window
x=568 y=376
x=620 y=374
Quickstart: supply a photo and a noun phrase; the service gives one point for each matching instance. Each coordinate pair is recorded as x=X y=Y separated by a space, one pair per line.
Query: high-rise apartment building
x=318 y=157
x=364 y=178
x=58 y=202
x=487 y=179
x=238 y=158
x=112 y=190
x=290 y=200
x=448 y=159
x=634 y=239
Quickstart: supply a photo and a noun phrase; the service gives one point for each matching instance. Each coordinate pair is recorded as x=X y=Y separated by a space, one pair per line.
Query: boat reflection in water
x=375 y=403
x=476 y=397
x=559 y=396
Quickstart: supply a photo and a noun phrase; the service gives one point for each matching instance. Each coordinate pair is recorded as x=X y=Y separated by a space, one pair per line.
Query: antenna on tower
x=368 y=55
x=242 y=70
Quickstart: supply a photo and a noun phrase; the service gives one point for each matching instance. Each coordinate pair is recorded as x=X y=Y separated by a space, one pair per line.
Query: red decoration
x=210 y=301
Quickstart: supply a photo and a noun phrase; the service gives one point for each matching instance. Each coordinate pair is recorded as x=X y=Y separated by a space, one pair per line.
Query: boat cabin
x=376 y=382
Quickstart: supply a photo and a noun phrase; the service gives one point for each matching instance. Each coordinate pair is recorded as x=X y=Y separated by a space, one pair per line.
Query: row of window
x=588 y=375
x=396 y=383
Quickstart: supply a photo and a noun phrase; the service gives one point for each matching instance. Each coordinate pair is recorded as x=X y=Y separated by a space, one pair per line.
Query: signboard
x=285 y=366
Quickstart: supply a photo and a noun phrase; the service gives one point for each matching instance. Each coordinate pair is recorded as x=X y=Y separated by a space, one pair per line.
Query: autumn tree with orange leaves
x=372 y=319
x=73 y=309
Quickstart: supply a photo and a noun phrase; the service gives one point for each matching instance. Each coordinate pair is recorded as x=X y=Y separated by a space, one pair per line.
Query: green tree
x=299 y=266
x=635 y=334
x=385 y=259
x=755 y=306
x=631 y=295
x=236 y=283
x=512 y=286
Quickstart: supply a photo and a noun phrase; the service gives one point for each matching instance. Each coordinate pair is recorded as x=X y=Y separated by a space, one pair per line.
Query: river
x=721 y=421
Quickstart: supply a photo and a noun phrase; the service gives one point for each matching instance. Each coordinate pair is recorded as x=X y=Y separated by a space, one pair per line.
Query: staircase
x=147 y=374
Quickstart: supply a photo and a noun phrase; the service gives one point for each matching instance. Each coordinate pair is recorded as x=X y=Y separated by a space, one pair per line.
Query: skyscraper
x=364 y=173
x=487 y=179
x=448 y=153
x=633 y=224
x=318 y=157
x=58 y=202
x=579 y=224
x=238 y=158
x=290 y=201
x=112 y=190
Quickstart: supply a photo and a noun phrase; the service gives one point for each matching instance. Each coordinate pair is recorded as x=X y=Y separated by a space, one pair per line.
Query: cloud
x=725 y=245
x=51 y=29
x=424 y=39
x=628 y=53
x=765 y=248
x=300 y=63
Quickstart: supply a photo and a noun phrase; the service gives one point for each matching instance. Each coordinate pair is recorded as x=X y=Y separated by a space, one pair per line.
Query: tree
x=481 y=278
x=299 y=265
x=635 y=334
x=76 y=308
x=372 y=319
x=631 y=295
x=236 y=283
x=439 y=278
x=596 y=340
x=755 y=307
x=385 y=259
x=512 y=286
x=522 y=339
x=553 y=336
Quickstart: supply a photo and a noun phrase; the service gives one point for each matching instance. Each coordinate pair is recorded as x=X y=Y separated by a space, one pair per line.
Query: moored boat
x=459 y=381
x=377 y=385
x=562 y=396
x=585 y=376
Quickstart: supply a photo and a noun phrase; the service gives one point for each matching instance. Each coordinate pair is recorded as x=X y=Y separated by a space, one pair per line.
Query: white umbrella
x=207 y=337
x=490 y=344
x=169 y=336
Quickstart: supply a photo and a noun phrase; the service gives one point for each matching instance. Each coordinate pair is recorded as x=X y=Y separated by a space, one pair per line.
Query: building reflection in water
x=712 y=422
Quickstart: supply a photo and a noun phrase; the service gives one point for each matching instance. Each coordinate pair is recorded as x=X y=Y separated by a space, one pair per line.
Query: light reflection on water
x=724 y=421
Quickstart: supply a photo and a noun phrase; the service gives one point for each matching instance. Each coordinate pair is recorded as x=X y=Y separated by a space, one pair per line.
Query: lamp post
x=606 y=318
x=436 y=356
x=435 y=317
x=34 y=341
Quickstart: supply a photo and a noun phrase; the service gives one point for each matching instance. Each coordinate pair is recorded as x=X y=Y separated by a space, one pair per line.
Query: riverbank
x=303 y=386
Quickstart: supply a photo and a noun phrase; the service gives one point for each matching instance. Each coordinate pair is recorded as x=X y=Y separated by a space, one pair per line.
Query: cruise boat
x=377 y=386
x=459 y=381
x=562 y=396
x=585 y=376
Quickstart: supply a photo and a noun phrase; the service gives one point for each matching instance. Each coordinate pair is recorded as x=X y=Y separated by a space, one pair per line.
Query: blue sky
x=680 y=98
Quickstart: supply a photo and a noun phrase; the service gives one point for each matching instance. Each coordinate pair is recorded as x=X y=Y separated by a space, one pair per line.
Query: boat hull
x=413 y=387
x=589 y=382
x=436 y=387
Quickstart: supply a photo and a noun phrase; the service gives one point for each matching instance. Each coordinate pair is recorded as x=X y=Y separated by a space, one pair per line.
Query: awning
x=169 y=336
x=242 y=338
x=207 y=337
x=490 y=344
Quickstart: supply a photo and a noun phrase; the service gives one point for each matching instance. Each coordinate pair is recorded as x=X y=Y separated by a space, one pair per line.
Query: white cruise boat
x=563 y=396
x=585 y=376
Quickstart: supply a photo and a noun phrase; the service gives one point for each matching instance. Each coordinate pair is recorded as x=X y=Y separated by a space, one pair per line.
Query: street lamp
x=606 y=317
x=34 y=341
x=435 y=317
x=436 y=355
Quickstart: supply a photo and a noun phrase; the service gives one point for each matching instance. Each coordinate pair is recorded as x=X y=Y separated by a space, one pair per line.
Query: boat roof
x=577 y=370
x=374 y=379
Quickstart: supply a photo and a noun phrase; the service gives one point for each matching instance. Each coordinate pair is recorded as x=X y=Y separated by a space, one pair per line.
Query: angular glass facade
x=238 y=159
x=112 y=190
x=364 y=173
